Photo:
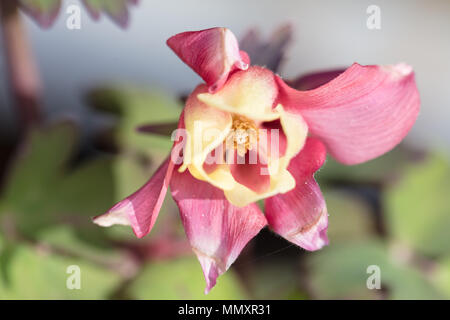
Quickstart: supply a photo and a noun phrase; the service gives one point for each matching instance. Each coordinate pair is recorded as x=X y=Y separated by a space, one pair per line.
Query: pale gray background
x=328 y=34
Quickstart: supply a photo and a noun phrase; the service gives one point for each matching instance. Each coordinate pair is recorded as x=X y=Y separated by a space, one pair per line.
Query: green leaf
x=36 y=274
x=182 y=279
x=35 y=173
x=65 y=239
x=44 y=12
x=41 y=192
x=39 y=163
x=116 y=9
x=136 y=108
x=380 y=169
x=86 y=191
x=410 y=284
x=441 y=276
x=350 y=218
x=129 y=175
x=417 y=207
x=340 y=271
x=7 y=250
x=276 y=280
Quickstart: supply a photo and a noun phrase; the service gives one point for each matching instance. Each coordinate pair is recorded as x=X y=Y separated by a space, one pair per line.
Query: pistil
x=243 y=135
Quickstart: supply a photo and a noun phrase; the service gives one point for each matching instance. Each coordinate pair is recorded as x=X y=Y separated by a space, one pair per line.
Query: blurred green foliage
x=136 y=107
x=42 y=190
x=45 y=12
x=43 y=7
x=341 y=272
x=39 y=275
x=350 y=218
x=182 y=278
x=411 y=254
x=418 y=207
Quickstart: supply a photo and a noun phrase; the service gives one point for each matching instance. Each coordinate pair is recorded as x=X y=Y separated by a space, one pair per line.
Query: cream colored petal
x=296 y=131
x=207 y=128
x=221 y=177
x=241 y=196
x=250 y=93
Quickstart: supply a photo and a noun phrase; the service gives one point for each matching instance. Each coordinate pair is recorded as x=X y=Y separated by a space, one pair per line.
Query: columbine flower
x=359 y=115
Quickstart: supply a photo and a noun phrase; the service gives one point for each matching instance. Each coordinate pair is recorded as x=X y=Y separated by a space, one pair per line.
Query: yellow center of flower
x=243 y=135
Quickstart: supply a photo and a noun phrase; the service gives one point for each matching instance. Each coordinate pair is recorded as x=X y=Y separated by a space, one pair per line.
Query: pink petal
x=300 y=215
x=211 y=53
x=361 y=114
x=265 y=139
x=245 y=58
x=216 y=229
x=314 y=80
x=252 y=174
x=141 y=209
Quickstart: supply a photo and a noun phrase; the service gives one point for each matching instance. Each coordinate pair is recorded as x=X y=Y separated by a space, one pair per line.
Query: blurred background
x=70 y=101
